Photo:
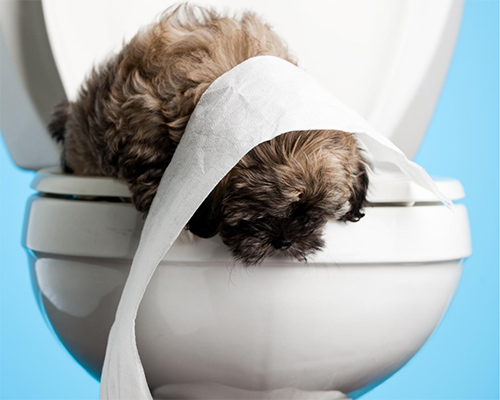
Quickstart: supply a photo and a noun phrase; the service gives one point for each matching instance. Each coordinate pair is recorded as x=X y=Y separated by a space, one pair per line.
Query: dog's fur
x=131 y=113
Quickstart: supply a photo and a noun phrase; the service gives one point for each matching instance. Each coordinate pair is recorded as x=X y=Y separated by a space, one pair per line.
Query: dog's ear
x=358 y=196
x=57 y=125
x=206 y=220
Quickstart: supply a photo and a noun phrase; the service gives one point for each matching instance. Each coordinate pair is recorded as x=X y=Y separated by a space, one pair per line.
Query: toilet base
x=200 y=391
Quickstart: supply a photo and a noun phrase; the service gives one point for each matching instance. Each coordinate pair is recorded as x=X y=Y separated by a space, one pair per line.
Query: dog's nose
x=282 y=243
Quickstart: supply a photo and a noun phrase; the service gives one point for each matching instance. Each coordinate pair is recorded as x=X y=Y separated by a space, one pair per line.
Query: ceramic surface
x=316 y=327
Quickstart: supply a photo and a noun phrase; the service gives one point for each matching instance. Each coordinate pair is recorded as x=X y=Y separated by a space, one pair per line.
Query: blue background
x=460 y=361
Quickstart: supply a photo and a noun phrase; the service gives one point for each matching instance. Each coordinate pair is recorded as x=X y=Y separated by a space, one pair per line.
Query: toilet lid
x=375 y=55
x=385 y=59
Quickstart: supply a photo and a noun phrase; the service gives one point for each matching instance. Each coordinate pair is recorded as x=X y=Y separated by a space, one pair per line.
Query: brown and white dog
x=132 y=111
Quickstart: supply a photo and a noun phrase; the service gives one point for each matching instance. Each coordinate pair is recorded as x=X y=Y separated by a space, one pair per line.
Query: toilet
x=349 y=318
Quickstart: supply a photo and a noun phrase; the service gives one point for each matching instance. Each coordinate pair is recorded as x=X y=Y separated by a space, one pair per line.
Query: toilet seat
x=383 y=190
x=93 y=217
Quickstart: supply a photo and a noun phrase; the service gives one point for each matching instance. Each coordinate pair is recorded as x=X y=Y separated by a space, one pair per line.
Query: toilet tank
x=386 y=59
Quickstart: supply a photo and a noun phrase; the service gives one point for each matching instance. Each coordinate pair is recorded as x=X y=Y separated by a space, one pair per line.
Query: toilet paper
x=255 y=101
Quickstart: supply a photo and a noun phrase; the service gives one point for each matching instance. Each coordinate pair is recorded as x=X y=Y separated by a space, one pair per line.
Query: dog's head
x=281 y=194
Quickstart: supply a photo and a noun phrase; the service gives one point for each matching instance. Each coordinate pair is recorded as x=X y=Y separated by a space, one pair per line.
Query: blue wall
x=460 y=361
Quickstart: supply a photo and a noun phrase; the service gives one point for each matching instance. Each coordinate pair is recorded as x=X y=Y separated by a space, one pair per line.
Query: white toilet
x=351 y=317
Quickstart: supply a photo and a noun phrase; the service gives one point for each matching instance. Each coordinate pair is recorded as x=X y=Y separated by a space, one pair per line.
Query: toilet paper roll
x=254 y=102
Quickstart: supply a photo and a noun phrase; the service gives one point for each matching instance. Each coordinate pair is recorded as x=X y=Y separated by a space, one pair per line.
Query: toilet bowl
x=346 y=320
x=349 y=318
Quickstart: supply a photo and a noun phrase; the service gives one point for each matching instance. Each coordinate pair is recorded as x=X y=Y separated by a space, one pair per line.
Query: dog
x=131 y=113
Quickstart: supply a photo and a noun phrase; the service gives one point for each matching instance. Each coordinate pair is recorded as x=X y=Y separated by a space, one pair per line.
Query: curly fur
x=132 y=111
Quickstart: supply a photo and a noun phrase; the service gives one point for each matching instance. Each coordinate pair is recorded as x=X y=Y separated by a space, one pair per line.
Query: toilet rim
x=383 y=190
x=82 y=231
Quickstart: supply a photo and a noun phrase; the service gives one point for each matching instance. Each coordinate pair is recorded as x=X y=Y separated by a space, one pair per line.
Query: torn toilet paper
x=254 y=102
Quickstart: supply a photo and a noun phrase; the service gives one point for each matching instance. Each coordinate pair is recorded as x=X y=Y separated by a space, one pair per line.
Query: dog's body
x=132 y=112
